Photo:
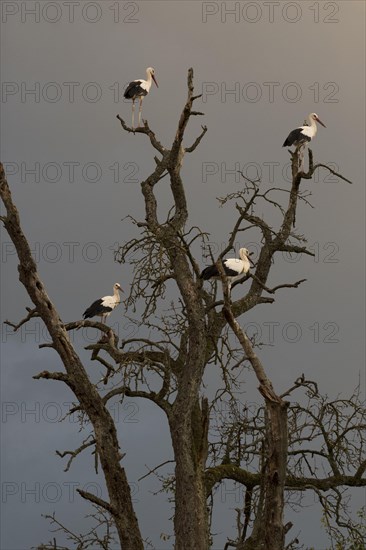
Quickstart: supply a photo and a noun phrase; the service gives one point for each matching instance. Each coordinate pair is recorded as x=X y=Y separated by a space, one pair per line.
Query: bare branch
x=74 y=454
x=60 y=376
x=76 y=378
x=31 y=313
x=154 y=469
x=301 y=382
x=320 y=165
x=295 y=249
x=156 y=398
x=144 y=130
x=198 y=140
x=273 y=290
x=97 y=500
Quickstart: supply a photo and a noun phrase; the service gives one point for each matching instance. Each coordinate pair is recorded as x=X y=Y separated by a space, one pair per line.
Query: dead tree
x=168 y=367
x=77 y=379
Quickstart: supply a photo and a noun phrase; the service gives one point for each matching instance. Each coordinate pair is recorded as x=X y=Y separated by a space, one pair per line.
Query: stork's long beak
x=250 y=260
x=320 y=122
x=154 y=79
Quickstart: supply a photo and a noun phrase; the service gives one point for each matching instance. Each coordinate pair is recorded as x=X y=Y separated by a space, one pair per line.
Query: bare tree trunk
x=268 y=531
x=188 y=420
x=107 y=447
x=199 y=333
x=190 y=518
x=275 y=473
x=190 y=449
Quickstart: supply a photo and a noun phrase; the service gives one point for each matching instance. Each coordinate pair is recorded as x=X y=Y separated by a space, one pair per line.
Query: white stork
x=138 y=89
x=103 y=307
x=303 y=134
x=234 y=268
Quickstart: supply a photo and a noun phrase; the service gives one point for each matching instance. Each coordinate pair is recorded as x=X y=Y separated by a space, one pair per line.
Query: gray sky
x=261 y=69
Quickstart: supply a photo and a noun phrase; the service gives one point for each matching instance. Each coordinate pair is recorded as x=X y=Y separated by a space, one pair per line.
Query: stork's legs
x=140 y=110
x=133 y=113
x=103 y=319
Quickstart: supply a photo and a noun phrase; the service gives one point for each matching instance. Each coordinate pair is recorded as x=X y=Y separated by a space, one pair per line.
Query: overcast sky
x=262 y=68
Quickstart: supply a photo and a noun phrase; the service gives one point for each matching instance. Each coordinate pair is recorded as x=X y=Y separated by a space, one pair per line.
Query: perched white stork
x=138 y=89
x=303 y=134
x=103 y=307
x=234 y=268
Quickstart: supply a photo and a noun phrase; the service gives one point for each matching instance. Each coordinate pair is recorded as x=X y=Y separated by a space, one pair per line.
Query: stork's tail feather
x=97 y=308
x=209 y=272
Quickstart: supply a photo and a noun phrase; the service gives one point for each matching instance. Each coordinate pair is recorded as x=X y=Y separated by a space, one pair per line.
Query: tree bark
x=268 y=530
x=107 y=447
x=189 y=443
x=198 y=336
x=188 y=418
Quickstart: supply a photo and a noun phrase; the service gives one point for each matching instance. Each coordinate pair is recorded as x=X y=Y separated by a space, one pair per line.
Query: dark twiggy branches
x=181 y=334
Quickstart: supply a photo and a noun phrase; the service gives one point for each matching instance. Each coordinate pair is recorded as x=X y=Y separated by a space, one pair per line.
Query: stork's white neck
x=148 y=81
x=243 y=255
x=117 y=295
x=312 y=123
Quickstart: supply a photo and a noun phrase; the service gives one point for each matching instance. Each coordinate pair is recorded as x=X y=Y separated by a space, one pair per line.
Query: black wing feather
x=209 y=272
x=231 y=272
x=97 y=308
x=212 y=271
x=295 y=136
x=134 y=90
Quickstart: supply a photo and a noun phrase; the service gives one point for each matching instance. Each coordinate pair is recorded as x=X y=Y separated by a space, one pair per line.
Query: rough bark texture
x=107 y=447
x=179 y=362
x=275 y=474
x=187 y=419
x=268 y=529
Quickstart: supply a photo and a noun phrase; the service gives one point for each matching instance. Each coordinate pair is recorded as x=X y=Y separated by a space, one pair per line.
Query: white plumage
x=303 y=134
x=139 y=89
x=103 y=307
x=235 y=268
